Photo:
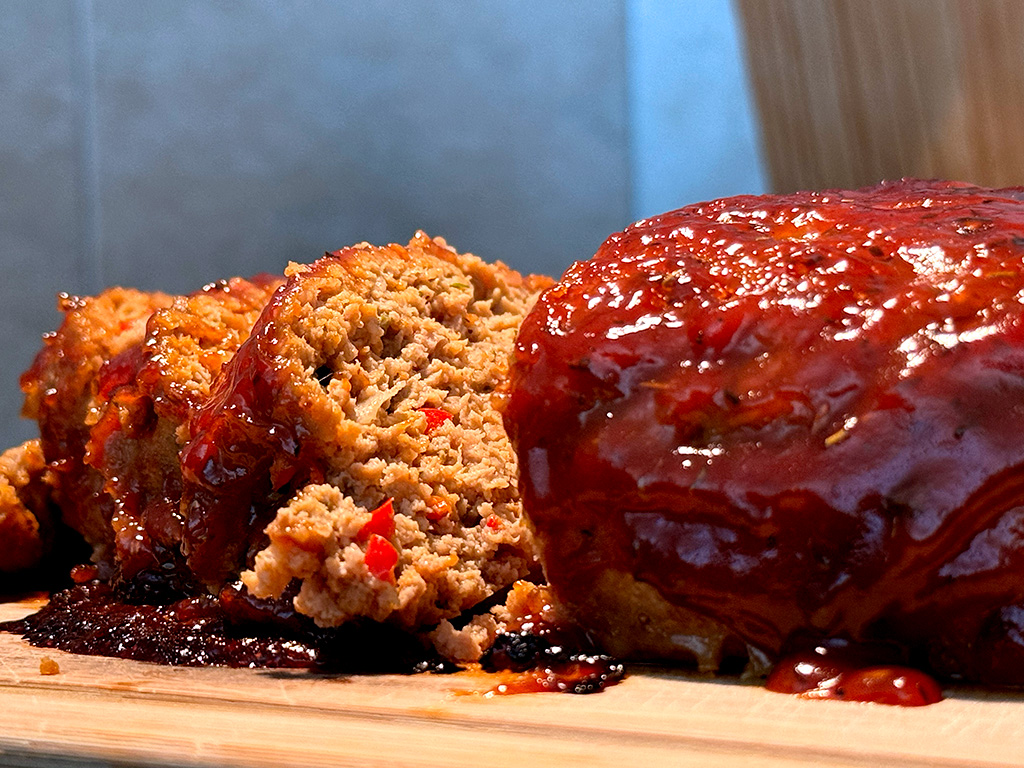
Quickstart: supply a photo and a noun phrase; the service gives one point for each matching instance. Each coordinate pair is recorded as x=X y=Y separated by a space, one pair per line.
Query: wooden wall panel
x=851 y=92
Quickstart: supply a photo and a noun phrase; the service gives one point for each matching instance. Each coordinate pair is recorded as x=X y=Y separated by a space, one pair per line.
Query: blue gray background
x=164 y=145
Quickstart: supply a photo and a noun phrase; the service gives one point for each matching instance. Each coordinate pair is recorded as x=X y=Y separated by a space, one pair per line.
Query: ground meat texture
x=353 y=444
x=765 y=420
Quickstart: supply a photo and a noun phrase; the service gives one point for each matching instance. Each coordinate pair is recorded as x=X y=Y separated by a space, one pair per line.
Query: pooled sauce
x=89 y=619
x=232 y=630
x=792 y=414
x=841 y=671
x=236 y=630
x=535 y=664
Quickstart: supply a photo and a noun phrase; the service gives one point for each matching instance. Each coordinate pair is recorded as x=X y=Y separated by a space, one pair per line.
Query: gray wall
x=164 y=145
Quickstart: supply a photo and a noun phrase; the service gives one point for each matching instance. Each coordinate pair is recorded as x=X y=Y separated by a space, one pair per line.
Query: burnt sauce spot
x=543 y=665
x=229 y=630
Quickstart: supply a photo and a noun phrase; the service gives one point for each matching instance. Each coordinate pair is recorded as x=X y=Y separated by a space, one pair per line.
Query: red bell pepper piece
x=381 y=522
x=435 y=418
x=381 y=558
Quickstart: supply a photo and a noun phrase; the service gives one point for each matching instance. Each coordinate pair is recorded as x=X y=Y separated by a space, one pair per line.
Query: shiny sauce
x=837 y=670
x=541 y=651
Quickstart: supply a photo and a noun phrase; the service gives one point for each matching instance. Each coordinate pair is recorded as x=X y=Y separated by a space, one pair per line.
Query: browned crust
x=61 y=391
x=25 y=524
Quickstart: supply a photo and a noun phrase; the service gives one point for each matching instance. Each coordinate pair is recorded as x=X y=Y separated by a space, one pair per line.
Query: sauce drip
x=839 y=671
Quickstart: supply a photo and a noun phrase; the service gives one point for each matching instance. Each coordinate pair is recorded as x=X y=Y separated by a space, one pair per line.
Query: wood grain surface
x=851 y=92
x=100 y=711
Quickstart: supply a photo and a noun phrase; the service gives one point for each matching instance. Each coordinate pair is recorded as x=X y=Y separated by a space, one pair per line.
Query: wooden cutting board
x=100 y=711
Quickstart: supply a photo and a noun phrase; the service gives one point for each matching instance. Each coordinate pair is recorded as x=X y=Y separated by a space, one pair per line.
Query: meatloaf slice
x=358 y=426
x=145 y=395
x=61 y=394
x=111 y=390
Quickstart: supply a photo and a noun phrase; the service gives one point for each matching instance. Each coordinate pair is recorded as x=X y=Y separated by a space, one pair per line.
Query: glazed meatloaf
x=762 y=422
x=26 y=525
x=61 y=390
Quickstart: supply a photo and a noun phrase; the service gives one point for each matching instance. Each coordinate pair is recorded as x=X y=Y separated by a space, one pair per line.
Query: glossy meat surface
x=795 y=417
x=61 y=393
x=143 y=397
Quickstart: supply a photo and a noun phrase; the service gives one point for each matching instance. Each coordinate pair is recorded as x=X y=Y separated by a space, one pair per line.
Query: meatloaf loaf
x=769 y=421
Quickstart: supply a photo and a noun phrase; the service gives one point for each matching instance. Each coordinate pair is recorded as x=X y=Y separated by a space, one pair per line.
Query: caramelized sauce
x=535 y=664
x=542 y=650
x=232 y=630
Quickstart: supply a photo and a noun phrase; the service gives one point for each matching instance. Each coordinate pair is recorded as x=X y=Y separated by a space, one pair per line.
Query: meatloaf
x=760 y=422
x=325 y=447
x=111 y=391
x=61 y=390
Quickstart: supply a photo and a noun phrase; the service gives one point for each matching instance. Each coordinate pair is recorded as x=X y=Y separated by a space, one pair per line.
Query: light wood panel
x=851 y=92
x=106 y=711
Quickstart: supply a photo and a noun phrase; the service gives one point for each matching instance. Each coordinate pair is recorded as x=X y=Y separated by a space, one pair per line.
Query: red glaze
x=240 y=459
x=841 y=672
x=797 y=415
x=225 y=469
x=138 y=387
